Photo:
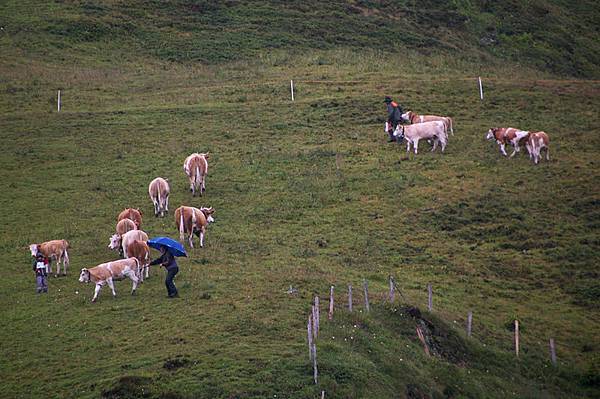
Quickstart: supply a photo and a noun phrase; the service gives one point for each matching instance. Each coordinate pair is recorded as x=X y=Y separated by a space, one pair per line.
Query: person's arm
x=157 y=261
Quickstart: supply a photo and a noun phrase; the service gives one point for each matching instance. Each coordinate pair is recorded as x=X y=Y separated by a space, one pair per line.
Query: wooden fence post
x=349 y=297
x=330 y=303
x=469 y=323
x=430 y=297
x=517 y=337
x=309 y=327
x=366 y=289
x=315 y=372
x=552 y=351
x=392 y=293
x=318 y=314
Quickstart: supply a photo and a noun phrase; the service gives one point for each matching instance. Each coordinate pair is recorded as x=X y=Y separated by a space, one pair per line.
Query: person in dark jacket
x=40 y=267
x=168 y=261
x=394 y=116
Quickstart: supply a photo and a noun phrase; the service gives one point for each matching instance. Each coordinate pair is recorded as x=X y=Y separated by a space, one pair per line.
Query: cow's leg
x=111 y=284
x=202 y=238
x=147 y=268
x=444 y=143
x=57 y=266
x=407 y=146
x=167 y=204
x=547 y=153
x=203 y=183
x=50 y=265
x=516 y=148
x=191 y=239
x=435 y=144
x=135 y=280
x=503 y=150
x=416 y=145
x=96 y=292
x=528 y=147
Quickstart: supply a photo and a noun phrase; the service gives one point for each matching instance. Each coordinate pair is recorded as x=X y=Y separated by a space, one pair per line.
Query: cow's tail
x=137 y=266
x=197 y=178
x=181 y=226
x=451 y=129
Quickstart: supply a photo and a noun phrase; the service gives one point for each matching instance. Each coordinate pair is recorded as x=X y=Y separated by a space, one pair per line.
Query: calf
x=133 y=214
x=122 y=242
x=190 y=220
x=434 y=130
x=125 y=225
x=535 y=143
x=159 y=194
x=195 y=167
x=53 y=250
x=141 y=251
x=105 y=273
x=414 y=118
x=507 y=135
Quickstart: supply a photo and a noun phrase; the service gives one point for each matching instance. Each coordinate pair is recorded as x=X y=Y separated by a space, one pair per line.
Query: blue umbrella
x=174 y=247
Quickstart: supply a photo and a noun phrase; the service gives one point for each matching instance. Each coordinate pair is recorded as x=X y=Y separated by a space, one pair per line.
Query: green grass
x=306 y=194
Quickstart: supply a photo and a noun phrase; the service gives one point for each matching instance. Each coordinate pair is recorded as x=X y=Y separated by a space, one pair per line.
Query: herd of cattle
x=435 y=128
x=131 y=241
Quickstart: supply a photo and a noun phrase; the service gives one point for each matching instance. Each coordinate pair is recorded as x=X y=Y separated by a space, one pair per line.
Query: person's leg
x=171 y=289
x=45 y=283
x=38 y=283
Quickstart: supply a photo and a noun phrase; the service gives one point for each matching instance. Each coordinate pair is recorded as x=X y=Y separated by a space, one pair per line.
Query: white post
x=309 y=328
x=366 y=289
x=330 y=315
x=517 y=337
x=392 y=296
x=58 y=102
x=552 y=351
x=480 y=89
x=292 y=88
x=349 y=298
x=430 y=297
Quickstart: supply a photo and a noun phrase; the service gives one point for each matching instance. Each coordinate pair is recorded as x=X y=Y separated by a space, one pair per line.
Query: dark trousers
x=171 y=272
x=42 y=283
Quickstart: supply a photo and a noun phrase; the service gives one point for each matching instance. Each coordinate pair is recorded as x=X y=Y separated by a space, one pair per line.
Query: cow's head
x=84 y=276
x=115 y=241
x=399 y=133
x=140 y=211
x=34 y=249
x=406 y=117
x=208 y=213
x=205 y=155
x=491 y=134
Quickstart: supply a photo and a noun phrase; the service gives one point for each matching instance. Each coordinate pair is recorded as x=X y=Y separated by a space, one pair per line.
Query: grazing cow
x=53 y=250
x=105 y=273
x=141 y=251
x=125 y=225
x=507 y=135
x=192 y=221
x=122 y=242
x=196 y=169
x=159 y=194
x=414 y=118
x=434 y=130
x=535 y=143
x=133 y=214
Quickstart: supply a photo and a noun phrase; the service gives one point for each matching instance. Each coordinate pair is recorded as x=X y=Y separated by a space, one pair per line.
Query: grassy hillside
x=307 y=194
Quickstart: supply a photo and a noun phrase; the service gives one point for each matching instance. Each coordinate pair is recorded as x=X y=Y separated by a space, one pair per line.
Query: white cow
x=122 y=242
x=105 y=273
x=435 y=130
x=195 y=167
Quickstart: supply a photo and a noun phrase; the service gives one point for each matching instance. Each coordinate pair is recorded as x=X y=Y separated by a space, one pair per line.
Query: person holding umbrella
x=169 y=249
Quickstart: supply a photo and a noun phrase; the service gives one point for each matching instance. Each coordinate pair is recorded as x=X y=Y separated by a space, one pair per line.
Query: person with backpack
x=40 y=267
x=394 y=116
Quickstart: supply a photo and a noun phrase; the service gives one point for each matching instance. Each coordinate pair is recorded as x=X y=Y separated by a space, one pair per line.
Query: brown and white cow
x=535 y=143
x=190 y=220
x=195 y=167
x=508 y=135
x=434 y=130
x=133 y=214
x=106 y=273
x=122 y=242
x=141 y=251
x=159 y=194
x=53 y=250
x=414 y=118
x=125 y=225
